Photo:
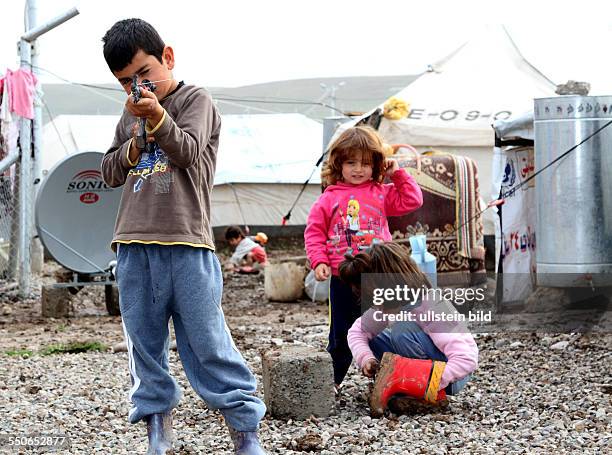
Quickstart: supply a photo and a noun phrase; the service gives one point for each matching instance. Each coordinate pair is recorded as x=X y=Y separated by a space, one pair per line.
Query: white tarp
x=516 y=241
x=262 y=162
x=268 y=148
x=454 y=104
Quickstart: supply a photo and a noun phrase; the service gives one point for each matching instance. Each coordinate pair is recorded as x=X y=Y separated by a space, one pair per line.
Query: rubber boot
x=416 y=378
x=246 y=442
x=159 y=431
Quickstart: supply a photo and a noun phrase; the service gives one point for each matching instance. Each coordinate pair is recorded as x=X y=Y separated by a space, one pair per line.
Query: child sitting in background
x=373 y=335
x=248 y=252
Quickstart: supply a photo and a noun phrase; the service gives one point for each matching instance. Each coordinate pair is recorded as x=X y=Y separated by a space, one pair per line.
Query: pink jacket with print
x=349 y=218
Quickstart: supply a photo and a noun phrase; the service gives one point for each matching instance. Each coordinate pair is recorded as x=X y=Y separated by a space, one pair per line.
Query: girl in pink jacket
x=421 y=336
x=348 y=217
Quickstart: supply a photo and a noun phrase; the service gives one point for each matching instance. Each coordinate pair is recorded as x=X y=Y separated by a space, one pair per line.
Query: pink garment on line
x=22 y=86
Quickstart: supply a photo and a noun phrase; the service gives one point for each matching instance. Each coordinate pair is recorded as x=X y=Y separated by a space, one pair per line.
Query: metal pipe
x=36 y=249
x=31 y=35
x=14 y=243
x=8 y=161
x=25 y=187
x=32 y=21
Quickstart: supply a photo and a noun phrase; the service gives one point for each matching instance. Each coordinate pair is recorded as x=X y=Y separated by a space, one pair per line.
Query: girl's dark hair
x=387 y=258
x=125 y=38
x=362 y=142
x=233 y=232
x=352 y=267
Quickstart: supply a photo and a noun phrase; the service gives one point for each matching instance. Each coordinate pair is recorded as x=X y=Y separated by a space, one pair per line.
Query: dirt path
x=525 y=397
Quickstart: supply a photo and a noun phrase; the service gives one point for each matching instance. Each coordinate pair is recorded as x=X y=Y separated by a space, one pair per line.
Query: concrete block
x=284 y=282
x=56 y=302
x=298 y=382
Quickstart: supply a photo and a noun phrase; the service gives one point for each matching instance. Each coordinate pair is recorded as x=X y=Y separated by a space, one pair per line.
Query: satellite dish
x=75 y=213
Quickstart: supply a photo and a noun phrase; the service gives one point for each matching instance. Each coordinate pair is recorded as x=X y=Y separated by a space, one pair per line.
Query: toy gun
x=141 y=136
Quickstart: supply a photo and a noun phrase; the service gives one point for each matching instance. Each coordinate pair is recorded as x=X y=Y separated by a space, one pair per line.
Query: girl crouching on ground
x=422 y=337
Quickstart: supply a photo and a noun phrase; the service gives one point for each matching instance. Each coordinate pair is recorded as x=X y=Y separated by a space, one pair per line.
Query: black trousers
x=344 y=311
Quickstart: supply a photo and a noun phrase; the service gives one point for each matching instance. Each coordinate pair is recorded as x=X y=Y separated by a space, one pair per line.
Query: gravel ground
x=531 y=393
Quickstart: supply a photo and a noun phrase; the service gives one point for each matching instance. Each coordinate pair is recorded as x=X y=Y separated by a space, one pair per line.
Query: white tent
x=263 y=160
x=455 y=102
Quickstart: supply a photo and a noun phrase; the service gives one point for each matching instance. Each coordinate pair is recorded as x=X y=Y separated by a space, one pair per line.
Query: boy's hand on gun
x=370 y=367
x=322 y=272
x=147 y=106
x=150 y=137
x=134 y=151
x=391 y=166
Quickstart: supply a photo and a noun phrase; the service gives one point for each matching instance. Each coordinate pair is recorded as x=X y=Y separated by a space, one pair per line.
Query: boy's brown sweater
x=166 y=195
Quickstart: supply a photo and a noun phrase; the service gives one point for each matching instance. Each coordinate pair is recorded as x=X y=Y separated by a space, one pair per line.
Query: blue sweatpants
x=408 y=340
x=159 y=282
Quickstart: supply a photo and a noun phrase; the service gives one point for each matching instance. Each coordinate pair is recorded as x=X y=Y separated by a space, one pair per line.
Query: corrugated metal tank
x=574 y=196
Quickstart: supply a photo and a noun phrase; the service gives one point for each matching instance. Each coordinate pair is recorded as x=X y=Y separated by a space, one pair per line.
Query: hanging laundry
x=9 y=129
x=5 y=108
x=22 y=85
x=5 y=116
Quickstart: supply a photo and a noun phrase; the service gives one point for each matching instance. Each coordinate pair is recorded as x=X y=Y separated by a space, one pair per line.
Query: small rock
x=501 y=343
x=33 y=389
x=559 y=424
x=579 y=426
x=546 y=341
x=119 y=347
x=560 y=346
x=516 y=344
x=308 y=443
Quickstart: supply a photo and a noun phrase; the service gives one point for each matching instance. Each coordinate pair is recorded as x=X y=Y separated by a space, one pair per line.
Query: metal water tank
x=574 y=196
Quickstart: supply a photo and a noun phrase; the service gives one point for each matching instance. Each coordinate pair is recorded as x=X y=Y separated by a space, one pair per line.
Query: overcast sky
x=232 y=43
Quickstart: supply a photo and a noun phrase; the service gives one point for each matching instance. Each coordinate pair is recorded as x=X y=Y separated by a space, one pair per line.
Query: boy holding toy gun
x=166 y=265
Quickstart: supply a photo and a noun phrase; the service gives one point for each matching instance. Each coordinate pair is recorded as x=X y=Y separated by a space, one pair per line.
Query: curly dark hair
x=361 y=142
